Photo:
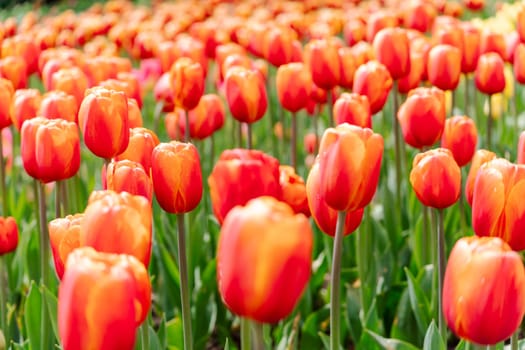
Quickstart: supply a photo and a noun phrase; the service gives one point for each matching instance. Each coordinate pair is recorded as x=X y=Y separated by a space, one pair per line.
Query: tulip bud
x=246 y=94
x=8 y=235
x=250 y=284
x=24 y=106
x=293 y=190
x=353 y=109
x=278 y=46
x=129 y=176
x=481 y=157
x=348 y=67
x=6 y=96
x=72 y=81
x=64 y=236
x=187 y=83
x=393 y=51
x=489 y=75
x=142 y=141
x=373 y=80
x=444 y=66
x=293 y=82
x=492 y=42
x=14 y=69
x=323 y=61
x=460 y=136
x=470 y=54
x=57 y=104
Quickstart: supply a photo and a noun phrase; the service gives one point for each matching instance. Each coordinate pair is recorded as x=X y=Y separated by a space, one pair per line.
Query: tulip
x=419 y=15
x=322 y=59
x=520 y=24
x=177 y=177
x=240 y=175
x=310 y=143
x=392 y=49
x=470 y=53
x=492 y=42
x=474 y=5
x=293 y=190
x=348 y=67
x=118 y=223
x=444 y=66
x=50 y=149
x=92 y=278
x=460 y=136
x=8 y=235
x=103 y=120
x=14 y=69
x=415 y=75
x=373 y=80
x=142 y=141
x=22 y=46
x=521 y=149
x=246 y=94
x=187 y=83
x=134 y=114
x=450 y=34
x=484 y=290
x=64 y=236
x=6 y=96
x=250 y=284
x=163 y=94
x=278 y=46
x=293 y=83
x=58 y=104
x=354 y=31
x=422 y=117
x=377 y=21
x=72 y=81
x=481 y=157
x=353 y=109
x=24 y=105
x=489 y=74
x=129 y=176
x=204 y=119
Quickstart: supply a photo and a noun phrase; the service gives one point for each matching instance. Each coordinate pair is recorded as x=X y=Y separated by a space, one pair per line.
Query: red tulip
x=460 y=136
x=481 y=157
x=373 y=81
x=8 y=235
x=129 y=176
x=490 y=73
x=392 y=49
x=352 y=109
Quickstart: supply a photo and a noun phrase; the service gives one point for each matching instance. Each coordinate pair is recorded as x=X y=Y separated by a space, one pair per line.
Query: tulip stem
x=329 y=106
x=489 y=124
x=397 y=143
x=187 y=137
x=2 y=177
x=316 y=128
x=514 y=340
x=467 y=95
x=184 y=287
x=258 y=336
x=156 y=116
x=249 y=136
x=294 y=141
x=245 y=334
x=58 y=195
x=64 y=198
x=271 y=119
x=441 y=272
x=3 y=298
x=335 y=279
x=424 y=238
x=44 y=260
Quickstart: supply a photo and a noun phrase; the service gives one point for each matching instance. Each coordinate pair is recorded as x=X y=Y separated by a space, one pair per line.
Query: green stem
x=514 y=340
x=64 y=199
x=44 y=260
x=184 y=287
x=258 y=338
x=489 y=124
x=316 y=128
x=144 y=331
x=212 y=151
x=462 y=213
x=249 y=136
x=424 y=239
x=397 y=142
x=58 y=195
x=271 y=119
x=245 y=334
x=3 y=299
x=187 y=137
x=239 y=134
x=441 y=272
x=156 y=116
x=293 y=142
x=5 y=210
x=467 y=95
x=329 y=106
x=335 y=281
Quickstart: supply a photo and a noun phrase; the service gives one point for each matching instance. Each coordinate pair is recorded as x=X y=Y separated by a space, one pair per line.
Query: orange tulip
x=134 y=114
x=177 y=177
x=377 y=21
x=229 y=184
x=483 y=292
x=324 y=216
x=6 y=96
x=278 y=45
x=250 y=284
x=490 y=73
x=419 y=15
x=293 y=190
x=92 y=278
x=50 y=149
x=393 y=51
x=64 y=236
x=103 y=120
x=293 y=86
x=142 y=141
x=460 y=136
x=436 y=178
x=354 y=31
x=521 y=149
x=373 y=80
x=450 y=34
x=128 y=176
x=205 y=119
x=118 y=223
x=24 y=47
x=187 y=83
x=348 y=67
x=15 y=70
x=72 y=81
x=57 y=104
x=520 y=24
x=24 y=106
x=132 y=86
x=347 y=184
x=422 y=117
x=246 y=94
x=481 y=157
x=470 y=54
x=444 y=66
x=8 y=235
x=492 y=42
x=322 y=59
x=353 y=109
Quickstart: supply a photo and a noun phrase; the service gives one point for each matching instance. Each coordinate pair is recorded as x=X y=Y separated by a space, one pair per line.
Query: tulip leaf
x=51 y=302
x=174 y=335
x=433 y=340
x=391 y=344
x=316 y=321
x=353 y=307
x=419 y=302
x=227 y=344
x=405 y=323
x=154 y=340
x=33 y=316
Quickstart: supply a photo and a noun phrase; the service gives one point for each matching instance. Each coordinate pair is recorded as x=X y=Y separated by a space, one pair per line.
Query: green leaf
x=433 y=340
x=419 y=302
x=353 y=309
x=227 y=344
x=154 y=341
x=174 y=335
x=51 y=301
x=312 y=325
x=405 y=323
x=391 y=344
x=33 y=316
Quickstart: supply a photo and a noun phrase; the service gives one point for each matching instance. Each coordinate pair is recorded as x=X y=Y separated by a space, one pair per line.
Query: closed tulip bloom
x=72 y=81
x=50 y=149
x=134 y=114
x=24 y=106
x=14 y=69
x=419 y=15
x=293 y=82
x=349 y=161
x=354 y=31
x=250 y=284
x=484 y=290
x=205 y=119
x=118 y=223
x=451 y=34
x=377 y=21
x=103 y=120
x=22 y=46
x=497 y=199
x=481 y=157
x=520 y=24
x=460 y=136
x=470 y=54
x=240 y=175
x=187 y=83
x=490 y=73
x=373 y=80
x=413 y=78
x=348 y=67
x=444 y=66
x=422 y=117
x=293 y=190
x=129 y=176
x=322 y=59
x=142 y=141
x=353 y=109
x=57 y=104
x=92 y=278
x=278 y=46
x=64 y=236
x=177 y=177
x=8 y=235
x=492 y=42
x=6 y=96
x=324 y=216
x=392 y=49
x=436 y=178
x=246 y=94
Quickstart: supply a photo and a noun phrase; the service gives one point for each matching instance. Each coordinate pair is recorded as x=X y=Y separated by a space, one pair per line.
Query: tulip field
x=262 y=174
